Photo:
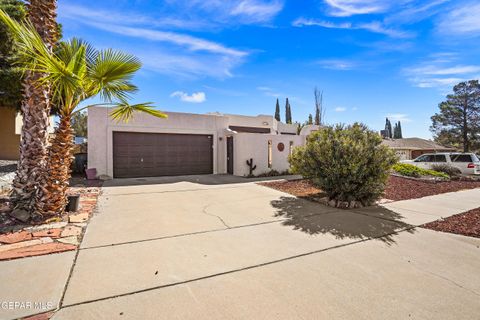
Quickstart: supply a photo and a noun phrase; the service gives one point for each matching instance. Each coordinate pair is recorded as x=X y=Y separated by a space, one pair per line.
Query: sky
x=371 y=58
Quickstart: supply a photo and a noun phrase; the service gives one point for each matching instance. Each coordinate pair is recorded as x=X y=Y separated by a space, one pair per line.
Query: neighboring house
x=189 y=144
x=10 y=130
x=411 y=148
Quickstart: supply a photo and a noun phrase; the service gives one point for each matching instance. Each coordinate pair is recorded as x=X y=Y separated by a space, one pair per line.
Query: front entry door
x=230 y=155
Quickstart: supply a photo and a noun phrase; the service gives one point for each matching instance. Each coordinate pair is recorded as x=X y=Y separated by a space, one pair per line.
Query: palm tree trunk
x=52 y=197
x=33 y=144
x=35 y=110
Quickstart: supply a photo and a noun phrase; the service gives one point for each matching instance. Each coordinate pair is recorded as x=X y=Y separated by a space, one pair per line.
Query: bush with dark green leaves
x=409 y=170
x=348 y=163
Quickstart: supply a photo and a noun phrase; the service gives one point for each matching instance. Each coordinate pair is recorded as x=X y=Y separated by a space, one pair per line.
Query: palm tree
x=76 y=72
x=35 y=110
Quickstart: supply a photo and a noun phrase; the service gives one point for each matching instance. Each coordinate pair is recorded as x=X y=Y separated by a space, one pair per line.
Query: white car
x=468 y=163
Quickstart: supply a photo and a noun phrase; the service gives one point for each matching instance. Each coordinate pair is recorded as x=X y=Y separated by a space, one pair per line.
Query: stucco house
x=186 y=143
x=411 y=148
x=10 y=126
x=10 y=131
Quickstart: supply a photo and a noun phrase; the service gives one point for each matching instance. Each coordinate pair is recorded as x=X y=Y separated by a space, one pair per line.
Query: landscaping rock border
x=19 y=241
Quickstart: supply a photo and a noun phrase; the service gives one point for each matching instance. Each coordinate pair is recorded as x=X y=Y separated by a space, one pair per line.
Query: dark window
x=461 y=158
x=426 y=158
x=269 y=153
x=249 y=129
x=421 y=159
x=440 y=158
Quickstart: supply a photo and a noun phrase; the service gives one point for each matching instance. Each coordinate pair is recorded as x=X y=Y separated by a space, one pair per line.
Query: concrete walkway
x=186 y=250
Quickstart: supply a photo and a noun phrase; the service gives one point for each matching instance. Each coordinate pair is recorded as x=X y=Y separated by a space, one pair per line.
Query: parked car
x=468 y=163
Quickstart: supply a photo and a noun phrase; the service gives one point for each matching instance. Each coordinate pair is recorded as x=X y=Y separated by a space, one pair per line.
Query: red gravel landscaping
x=397 y=188
x=466 y=224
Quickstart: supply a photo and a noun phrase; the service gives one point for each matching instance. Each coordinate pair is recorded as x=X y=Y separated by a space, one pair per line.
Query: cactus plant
x=251 y=166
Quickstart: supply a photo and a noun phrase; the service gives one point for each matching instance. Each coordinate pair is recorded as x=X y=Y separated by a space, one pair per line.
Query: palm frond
x=112 y=71
x=124 y=111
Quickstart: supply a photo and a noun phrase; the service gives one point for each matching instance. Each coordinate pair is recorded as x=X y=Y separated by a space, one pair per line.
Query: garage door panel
x=160 y=154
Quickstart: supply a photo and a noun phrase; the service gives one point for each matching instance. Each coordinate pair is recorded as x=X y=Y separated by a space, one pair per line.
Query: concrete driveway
x=190 y=250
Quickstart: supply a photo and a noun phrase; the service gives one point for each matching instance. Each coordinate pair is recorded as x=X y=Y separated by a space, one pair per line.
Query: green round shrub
x=410 y=170
x=347 y=162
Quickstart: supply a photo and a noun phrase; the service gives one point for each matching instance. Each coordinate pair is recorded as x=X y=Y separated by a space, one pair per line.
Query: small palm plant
x=76 y=72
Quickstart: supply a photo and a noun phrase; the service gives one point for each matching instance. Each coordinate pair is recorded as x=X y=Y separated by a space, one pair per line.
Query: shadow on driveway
x=361 y=224
x=206 y=179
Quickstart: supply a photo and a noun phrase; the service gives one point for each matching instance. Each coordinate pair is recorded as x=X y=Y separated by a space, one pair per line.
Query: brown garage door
x=161 y=154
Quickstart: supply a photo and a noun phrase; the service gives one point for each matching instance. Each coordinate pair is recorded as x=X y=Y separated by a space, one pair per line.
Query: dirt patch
x=298 y=188
x=399 y=188
x=466 y=224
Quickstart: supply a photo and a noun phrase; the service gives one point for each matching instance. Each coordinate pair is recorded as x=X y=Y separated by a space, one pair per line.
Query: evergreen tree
x=10 y=76
x=459 y=115
x=277 y=111
x=288 y=112
x=388 y=128
x=399 y=134
x=319 y=110
x=310 y=119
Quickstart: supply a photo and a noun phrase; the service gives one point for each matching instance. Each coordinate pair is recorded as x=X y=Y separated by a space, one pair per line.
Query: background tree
x=79 y=124
x=448 y=139
x=319 y=110
x=310 y=119
x=35 y=108
x=459 y=115
x=388 y=128
x=288 y=112
x=277 y=111
x=397 y=131
x=10 y=76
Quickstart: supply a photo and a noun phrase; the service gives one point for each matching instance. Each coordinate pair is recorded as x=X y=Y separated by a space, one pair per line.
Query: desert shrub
x=347 y=162
x=409 y=170
x=449 y=170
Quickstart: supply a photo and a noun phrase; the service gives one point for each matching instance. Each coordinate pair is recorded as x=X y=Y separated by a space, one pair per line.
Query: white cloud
x=166 y=52
x=271 y=92
x=374 y=26
x=196 y=97
x=340 y=109
x=232 y=12
x=436 y=82
x=76 y=12
x=415 y=11
x=455 y=70
x=192 y=43
x=337 y=64
x=402 y=117
x=463 y=20
x=345 y=8
x=440 y=72
x=257 y=11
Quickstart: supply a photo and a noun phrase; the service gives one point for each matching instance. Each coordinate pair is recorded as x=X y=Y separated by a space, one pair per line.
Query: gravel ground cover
x=466 y=224
x=397 y=188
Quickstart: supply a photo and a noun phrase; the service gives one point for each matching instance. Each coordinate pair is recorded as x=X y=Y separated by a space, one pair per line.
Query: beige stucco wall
x=255 y=146
x=246 y=145
x=403 y=154
x=101 y=128
x=9 y=140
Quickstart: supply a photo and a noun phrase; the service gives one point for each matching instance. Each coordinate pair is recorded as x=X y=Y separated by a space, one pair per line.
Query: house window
x=270 y=154
x=290 y=150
